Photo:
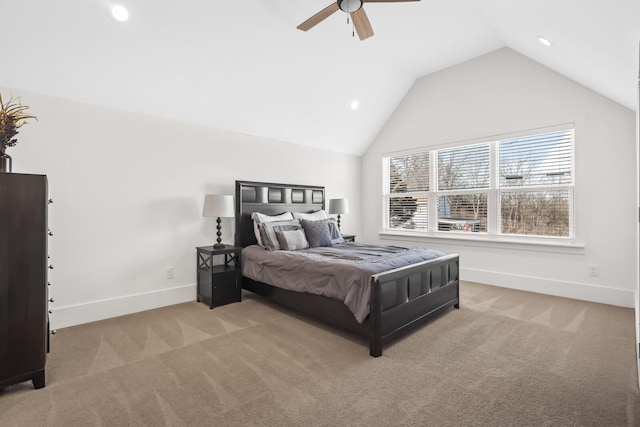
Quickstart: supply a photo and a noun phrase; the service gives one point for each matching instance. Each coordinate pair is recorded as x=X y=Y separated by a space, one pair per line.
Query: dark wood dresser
x=24 y=330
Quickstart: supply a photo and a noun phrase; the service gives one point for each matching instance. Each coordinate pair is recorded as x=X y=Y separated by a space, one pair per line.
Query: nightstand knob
x=50 y=311
x=49 y=233
x=50 y=201
x=48 y=283
x=51 y=300
x=53 y=331
x=51 y=267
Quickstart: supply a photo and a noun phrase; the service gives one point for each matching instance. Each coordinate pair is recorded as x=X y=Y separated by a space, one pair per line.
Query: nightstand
x=218 y=284
x=349 y=237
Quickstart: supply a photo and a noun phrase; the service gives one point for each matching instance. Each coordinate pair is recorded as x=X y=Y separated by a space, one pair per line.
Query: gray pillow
x=317 y=232
x=268 y=232
x=292 y=240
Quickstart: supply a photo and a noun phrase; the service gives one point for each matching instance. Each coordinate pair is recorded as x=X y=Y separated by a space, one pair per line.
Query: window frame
x=494 y=194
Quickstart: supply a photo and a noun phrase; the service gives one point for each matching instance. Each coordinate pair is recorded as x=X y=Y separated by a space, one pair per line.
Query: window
x=536 y=185
x=408 y=188
x=511 y=187
x=463 y=188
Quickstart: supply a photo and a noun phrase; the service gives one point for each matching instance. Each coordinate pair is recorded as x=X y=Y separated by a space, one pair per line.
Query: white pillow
x=313 y=216
x=260 y=218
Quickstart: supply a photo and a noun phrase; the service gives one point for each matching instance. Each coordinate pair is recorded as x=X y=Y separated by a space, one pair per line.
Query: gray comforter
x=342 y=272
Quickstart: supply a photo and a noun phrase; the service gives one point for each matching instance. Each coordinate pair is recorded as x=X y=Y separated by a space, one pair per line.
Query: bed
x=401 y=299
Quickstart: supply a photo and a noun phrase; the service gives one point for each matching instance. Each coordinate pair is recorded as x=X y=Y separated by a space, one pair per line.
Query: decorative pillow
x=259 y=218
x=292 y=240
x=268 y=232
x=317 y=233
x=313 y=216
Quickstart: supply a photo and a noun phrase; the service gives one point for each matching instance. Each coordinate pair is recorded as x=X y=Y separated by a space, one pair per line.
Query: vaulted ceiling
x=243 y=66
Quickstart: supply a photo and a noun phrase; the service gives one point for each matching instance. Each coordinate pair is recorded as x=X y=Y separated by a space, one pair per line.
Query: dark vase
x=5 y=163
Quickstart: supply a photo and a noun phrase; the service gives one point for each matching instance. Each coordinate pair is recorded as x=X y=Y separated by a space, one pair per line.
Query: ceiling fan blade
x=318 y=17
x=362 y=24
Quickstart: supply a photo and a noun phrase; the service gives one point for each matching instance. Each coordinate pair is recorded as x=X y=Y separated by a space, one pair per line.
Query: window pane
x=408 y=212
x=409 y=173
x=463 y=167
x=536 y=160
x=463 y=212
x=542 y=213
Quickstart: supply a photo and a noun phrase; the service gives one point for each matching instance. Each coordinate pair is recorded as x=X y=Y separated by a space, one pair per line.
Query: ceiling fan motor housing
x=349 y=5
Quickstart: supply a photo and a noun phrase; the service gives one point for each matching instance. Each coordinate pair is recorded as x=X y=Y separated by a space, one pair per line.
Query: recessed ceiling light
x=119 y=13
x=544 y=41
x=355 y=105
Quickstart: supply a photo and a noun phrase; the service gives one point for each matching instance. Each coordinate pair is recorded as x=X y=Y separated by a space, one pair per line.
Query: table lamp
x=218 y=206
x=338 y=206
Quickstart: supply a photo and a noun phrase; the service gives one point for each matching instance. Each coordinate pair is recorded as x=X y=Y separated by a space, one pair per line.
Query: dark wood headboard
x=271 y=199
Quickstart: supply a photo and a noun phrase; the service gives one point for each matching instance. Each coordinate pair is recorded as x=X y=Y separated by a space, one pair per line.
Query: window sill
x=484 y=241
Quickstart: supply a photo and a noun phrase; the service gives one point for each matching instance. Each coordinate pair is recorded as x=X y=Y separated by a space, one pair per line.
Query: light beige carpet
x=506 y=358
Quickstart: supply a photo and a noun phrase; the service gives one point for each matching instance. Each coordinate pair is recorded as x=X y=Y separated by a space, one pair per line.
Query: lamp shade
x=218 y=205
x=338 y=206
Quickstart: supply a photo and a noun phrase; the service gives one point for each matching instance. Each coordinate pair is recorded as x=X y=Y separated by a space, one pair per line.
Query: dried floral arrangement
x=12 y=117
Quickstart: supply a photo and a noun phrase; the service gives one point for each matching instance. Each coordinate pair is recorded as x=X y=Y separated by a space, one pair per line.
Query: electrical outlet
x=169 y=273
x=594 y=270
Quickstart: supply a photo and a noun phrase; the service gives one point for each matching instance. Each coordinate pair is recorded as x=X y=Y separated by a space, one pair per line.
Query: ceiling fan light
x=349 y=5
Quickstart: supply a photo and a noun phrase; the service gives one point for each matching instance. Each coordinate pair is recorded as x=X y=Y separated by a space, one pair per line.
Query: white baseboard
x=64 y=317
x=71 y=315
x=575 y=290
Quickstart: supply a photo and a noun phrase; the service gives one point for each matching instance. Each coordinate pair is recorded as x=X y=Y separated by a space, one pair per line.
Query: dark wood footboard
x=404 y=298
x=401 y=300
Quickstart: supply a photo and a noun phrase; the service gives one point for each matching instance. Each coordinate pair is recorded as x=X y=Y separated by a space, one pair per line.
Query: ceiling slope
x=248 y=69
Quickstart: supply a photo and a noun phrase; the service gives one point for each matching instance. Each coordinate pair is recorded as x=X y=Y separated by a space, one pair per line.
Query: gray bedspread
x=342 y=272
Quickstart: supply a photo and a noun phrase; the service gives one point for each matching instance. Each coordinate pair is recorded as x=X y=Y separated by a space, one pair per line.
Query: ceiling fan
x=352 y=7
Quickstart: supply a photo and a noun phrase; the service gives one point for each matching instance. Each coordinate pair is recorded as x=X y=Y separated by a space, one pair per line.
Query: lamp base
x=219 y=233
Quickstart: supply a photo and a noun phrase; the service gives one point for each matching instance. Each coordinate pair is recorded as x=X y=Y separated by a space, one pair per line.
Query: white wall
x=128 y=192
x=504 y=92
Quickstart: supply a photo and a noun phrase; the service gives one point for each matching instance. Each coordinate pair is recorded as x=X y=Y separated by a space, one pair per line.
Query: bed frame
x=401 y=299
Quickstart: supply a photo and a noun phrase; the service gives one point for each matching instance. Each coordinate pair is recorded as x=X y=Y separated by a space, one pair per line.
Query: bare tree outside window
x=539 y=162
x=463 y=169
